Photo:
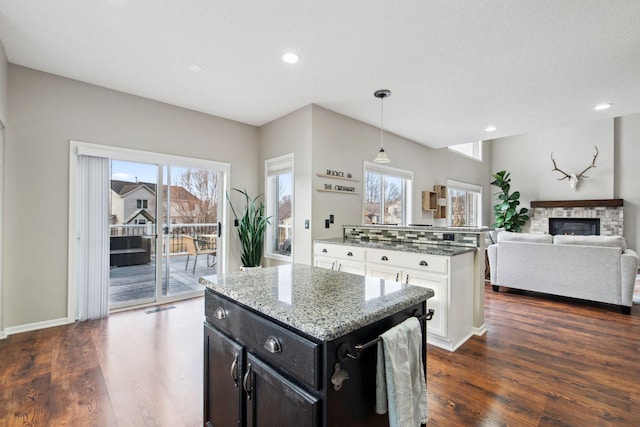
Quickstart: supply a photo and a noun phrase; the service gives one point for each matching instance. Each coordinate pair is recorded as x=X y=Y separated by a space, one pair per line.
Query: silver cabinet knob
x=220 y=313
x=272 y=345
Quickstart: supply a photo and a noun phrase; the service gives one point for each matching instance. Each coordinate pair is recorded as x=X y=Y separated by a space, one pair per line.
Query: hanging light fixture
x=382 y=156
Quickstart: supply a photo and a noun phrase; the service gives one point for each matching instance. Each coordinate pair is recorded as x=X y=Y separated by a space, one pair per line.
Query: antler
x=555 y=168
x=592 y=165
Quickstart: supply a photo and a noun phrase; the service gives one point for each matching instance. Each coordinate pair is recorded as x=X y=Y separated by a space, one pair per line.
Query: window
x=469 y=149
x=141 y=203
x=387 y=195
x=279 y=206
x=464 y=204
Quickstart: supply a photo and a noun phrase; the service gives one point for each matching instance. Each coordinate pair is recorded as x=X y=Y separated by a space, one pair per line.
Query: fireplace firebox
x=574 y=226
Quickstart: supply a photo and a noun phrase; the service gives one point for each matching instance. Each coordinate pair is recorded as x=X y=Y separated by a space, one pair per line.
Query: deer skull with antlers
x=574 y=179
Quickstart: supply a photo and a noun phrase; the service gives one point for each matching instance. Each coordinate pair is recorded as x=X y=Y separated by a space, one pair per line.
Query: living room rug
x=636 y=291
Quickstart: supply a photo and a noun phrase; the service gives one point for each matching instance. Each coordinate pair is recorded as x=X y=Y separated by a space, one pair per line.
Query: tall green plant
x=251 y=228
x=506 y=211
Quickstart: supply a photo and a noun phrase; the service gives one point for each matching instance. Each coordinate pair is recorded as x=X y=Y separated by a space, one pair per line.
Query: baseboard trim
x=480 y=330
x=35 y=326
x=3 y=335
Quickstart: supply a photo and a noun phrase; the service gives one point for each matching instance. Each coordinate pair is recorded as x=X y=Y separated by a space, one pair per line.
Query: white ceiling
x=454 y=67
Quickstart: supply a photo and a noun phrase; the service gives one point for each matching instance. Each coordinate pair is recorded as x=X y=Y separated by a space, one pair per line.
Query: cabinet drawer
x=354 y=253
x=386 y=257
x=284 y=349
x=426 y=263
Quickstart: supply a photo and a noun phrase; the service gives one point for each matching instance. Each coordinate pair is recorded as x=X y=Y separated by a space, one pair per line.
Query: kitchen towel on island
x=400 y=383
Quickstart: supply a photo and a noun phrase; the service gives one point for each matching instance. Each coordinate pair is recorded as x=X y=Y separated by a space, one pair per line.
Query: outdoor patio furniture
x=199 y=247
x=129 y=250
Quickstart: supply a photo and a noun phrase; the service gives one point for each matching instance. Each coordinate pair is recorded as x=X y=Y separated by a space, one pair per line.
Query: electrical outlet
x=327 y=224
x=306 y=224
x=448 y=236
x=331 y=218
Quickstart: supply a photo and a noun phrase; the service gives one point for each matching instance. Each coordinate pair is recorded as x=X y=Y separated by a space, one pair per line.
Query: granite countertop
x=422 y=248
x=322 y=303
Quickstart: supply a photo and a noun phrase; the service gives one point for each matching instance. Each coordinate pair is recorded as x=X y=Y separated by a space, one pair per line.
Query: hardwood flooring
x=544 y=361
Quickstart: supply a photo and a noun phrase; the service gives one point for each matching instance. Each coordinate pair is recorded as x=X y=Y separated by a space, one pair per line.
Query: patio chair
x=193 y=248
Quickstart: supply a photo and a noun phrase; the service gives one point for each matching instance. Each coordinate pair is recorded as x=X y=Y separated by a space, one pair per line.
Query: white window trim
x=406 y=175
x=272 y=167
x=460 y=153
x=465 y=186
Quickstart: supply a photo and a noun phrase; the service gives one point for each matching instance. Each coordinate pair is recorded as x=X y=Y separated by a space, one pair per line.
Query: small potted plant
x=252 y=225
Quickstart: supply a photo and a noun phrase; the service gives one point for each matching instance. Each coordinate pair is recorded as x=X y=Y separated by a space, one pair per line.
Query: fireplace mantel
x=606 y=203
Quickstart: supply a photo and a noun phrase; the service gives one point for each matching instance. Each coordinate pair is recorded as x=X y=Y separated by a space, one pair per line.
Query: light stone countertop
x=422 y=248
x=322 y=303
x=424 y=227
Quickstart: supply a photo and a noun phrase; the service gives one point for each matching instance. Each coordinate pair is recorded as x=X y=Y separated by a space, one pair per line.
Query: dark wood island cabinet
x=280 y=345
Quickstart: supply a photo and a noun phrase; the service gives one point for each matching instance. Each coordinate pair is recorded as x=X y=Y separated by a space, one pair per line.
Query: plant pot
x=243 y=268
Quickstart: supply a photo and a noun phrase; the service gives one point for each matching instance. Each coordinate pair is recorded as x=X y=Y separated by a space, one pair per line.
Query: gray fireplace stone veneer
x=611 y=218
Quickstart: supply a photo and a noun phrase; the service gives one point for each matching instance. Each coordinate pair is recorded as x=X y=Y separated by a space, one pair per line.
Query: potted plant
x=506 y=211
x=251 y=228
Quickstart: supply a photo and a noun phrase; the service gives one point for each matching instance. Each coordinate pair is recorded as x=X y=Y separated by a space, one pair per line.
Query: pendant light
x=382 y=156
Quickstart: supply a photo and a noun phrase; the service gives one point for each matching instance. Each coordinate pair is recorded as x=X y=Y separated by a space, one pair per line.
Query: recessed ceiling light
x=490 y=128
x=601 y=107
x=291 y=57
x=195 y=68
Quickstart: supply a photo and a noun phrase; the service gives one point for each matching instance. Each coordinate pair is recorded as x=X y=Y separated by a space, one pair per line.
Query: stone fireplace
x=580 y=217
x=574 y=226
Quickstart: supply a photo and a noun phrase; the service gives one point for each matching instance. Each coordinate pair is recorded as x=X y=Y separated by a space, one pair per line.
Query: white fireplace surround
x=609 y=212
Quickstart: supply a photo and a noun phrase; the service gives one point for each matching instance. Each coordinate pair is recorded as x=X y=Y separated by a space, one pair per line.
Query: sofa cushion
x=607 y=241
x=509 y=236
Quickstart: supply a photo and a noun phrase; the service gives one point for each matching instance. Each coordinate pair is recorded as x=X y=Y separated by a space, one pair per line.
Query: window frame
x=468 y=187
x=407 y=185
x=273 y=167
x=476 y=147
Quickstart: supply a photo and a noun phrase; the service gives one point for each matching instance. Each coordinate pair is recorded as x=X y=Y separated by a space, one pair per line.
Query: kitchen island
x=281 y=345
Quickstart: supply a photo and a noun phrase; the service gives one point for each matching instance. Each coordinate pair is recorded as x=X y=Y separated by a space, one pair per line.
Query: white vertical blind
x=93 y=237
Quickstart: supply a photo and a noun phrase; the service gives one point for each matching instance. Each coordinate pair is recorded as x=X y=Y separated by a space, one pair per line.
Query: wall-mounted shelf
x=435 y=201
x=323 y=175
x=429 y=200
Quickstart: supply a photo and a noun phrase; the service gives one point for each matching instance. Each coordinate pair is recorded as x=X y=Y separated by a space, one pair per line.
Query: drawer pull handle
x=424 y=263
x=246 y=382
x=349 y=253
x=272 y=345
x=324 y=251
x=220 y=313
x=384 y=258
x=234 y=370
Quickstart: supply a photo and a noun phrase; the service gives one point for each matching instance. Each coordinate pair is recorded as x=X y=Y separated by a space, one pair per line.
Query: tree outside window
x=385 y=196
x=464 y=204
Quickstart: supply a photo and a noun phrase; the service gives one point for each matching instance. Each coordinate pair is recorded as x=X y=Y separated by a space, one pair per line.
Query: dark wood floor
x=544 y=361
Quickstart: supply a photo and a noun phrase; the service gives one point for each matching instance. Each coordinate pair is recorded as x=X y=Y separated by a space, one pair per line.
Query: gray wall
x=3 y=86
x=3 y=118
x=292 y=134
x=528 y=159
x=627 y=174
x=47 y=111
x=343 y=144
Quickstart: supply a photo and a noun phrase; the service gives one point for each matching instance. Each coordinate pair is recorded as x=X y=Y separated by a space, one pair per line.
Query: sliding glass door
x=164 y=231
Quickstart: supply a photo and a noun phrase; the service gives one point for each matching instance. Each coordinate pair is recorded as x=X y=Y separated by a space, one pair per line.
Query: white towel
x=400 y=383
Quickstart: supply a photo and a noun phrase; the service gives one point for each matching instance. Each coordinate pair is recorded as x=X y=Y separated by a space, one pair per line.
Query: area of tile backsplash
x=411 y=235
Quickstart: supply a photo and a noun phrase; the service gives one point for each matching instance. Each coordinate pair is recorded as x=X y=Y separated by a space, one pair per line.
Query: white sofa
x=595 y=268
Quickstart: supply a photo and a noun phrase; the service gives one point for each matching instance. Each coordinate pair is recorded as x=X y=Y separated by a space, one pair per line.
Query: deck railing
x=174 y=233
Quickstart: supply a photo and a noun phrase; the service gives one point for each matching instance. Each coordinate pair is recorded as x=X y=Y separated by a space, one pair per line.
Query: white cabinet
x=349 y=259
x=450 y=277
